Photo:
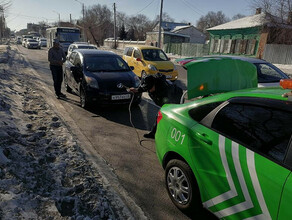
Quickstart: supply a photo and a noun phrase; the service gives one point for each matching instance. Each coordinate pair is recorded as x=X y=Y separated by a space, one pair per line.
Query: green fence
x=187 y=49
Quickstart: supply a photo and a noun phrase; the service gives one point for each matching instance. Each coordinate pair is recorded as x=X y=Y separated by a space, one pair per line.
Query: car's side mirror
x=132 y=68
x=138 y=59
x=168 y=58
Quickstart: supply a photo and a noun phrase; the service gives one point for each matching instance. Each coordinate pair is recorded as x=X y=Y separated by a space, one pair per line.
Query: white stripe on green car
x=247 y=201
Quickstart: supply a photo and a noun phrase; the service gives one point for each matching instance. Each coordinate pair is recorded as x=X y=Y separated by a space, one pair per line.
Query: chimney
x=289 y=20
x=258 y=11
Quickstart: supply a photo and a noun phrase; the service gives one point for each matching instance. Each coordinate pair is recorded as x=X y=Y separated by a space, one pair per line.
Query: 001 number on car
x=177 y=135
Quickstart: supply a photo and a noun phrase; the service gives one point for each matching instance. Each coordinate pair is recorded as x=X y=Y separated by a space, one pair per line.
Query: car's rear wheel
x=182 y=186
x=83 y=99
x=68 y=88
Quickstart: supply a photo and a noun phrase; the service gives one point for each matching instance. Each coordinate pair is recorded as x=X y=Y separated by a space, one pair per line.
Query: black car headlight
x=91 y=82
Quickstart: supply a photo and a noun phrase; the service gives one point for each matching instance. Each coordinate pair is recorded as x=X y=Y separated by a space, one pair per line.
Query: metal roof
x=247 y=22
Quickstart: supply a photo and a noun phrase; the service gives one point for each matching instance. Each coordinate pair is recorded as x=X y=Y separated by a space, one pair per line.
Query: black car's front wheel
x=182 y=187
x=83 y=99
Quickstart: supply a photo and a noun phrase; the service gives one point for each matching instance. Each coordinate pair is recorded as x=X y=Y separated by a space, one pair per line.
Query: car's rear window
x=201 y=111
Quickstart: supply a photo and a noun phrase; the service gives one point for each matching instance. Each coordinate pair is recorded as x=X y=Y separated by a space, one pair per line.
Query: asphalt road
x=110 y=133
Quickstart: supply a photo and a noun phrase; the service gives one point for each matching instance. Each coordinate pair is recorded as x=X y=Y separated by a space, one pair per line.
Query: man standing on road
x=57 y=57
x=161 y=92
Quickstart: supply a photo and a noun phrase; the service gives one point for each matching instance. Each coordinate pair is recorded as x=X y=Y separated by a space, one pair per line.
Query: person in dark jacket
x=57 y=57
x=161 y=92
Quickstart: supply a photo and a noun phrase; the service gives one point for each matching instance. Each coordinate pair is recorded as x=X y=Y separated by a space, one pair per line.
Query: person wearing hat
x=57 y=57
x=161 y=92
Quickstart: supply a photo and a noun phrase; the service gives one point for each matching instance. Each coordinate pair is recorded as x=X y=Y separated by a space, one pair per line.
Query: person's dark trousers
x=57 y=73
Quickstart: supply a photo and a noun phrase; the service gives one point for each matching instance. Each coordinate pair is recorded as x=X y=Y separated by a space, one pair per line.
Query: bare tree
x=140 y=24
x=237 y=16
x=279 y=8
x=211 y=19
x=98 y=22
x=165 y=17
x=4 y=6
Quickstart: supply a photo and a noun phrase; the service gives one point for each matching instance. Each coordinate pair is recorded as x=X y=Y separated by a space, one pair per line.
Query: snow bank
x=43 y=172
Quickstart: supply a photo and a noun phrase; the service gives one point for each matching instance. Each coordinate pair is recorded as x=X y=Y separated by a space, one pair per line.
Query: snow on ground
x=43 y=172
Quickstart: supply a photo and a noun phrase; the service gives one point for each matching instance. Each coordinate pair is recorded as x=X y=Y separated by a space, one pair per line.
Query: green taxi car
x=229 y=153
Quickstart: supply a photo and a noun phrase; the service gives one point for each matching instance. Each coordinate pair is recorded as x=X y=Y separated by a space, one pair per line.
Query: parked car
x=268 y=74
x=32 y=43
x=18 y=40
x=24 y=42
x=230 y=153
x=42 y=42
x=100 y=77
x=79 y=45
x=149 y=60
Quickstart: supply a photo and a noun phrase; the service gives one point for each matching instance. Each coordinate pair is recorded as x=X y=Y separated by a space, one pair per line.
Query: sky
x=33 y=11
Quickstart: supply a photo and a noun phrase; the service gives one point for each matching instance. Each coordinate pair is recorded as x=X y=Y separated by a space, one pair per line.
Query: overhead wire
x=144 y=7
x=195 y=9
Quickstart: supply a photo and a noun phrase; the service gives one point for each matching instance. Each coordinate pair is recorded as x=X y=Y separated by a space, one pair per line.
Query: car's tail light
x=159 y=117
x=286 y=83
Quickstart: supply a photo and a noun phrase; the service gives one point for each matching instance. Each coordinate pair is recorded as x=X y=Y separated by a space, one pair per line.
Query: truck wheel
x=182 y=187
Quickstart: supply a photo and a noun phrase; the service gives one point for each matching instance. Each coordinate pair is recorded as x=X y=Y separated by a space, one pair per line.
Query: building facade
x=249 y=35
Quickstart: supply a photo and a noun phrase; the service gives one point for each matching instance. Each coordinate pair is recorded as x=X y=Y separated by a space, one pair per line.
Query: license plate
x=120 y=97
x=168 y=76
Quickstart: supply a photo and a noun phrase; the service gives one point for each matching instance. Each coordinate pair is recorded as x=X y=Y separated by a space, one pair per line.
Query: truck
x=65 y=35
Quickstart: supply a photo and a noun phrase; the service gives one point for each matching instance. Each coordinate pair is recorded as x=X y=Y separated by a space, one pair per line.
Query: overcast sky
x=33 y=11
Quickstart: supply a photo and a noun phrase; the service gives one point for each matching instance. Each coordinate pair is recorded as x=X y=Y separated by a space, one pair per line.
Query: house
x=172 y=32
x=249 y=35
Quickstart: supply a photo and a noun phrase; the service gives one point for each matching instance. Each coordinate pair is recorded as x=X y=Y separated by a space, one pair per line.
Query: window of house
x=251 y=43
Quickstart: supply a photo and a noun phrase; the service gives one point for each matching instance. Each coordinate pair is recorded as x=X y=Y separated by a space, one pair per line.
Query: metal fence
x=187 y=49
x=278 y=53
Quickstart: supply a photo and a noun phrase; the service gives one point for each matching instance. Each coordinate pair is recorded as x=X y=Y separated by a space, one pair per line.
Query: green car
x=229 y=153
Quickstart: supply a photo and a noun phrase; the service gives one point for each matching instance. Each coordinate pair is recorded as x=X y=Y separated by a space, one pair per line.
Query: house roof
x=170 y=26
x=247 y=22
x=179 y=28
x=170 y=33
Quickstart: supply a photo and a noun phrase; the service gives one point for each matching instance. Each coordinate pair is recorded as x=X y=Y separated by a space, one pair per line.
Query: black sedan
x=101 y=77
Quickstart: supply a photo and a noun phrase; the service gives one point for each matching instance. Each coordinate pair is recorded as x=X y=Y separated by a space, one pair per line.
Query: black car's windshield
x=105 y=64
x=154 y=55
x=267 y=73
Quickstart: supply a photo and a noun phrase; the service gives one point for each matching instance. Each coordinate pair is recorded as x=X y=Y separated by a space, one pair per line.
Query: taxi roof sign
x=212 y=75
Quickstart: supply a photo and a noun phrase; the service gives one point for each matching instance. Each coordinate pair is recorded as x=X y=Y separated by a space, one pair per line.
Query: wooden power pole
x=115 y=37
x=160 y=21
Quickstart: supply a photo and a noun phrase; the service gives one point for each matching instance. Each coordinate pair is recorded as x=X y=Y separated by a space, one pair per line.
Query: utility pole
x=83 y=13
x=59 y=16
x=83 y=18
x=115 y=38
x=160 y=21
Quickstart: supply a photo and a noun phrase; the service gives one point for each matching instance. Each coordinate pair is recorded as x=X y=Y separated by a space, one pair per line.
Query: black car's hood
x=109 y=80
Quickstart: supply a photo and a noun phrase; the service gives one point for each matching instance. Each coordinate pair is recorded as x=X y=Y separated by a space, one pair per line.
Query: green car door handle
x=204 y=138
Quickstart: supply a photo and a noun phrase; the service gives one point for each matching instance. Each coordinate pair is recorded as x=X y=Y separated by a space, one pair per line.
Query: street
x=109 y=131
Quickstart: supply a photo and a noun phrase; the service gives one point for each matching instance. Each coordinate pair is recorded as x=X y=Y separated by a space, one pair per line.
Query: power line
x=28 y=16
x=195 y=9
x=145 y=7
